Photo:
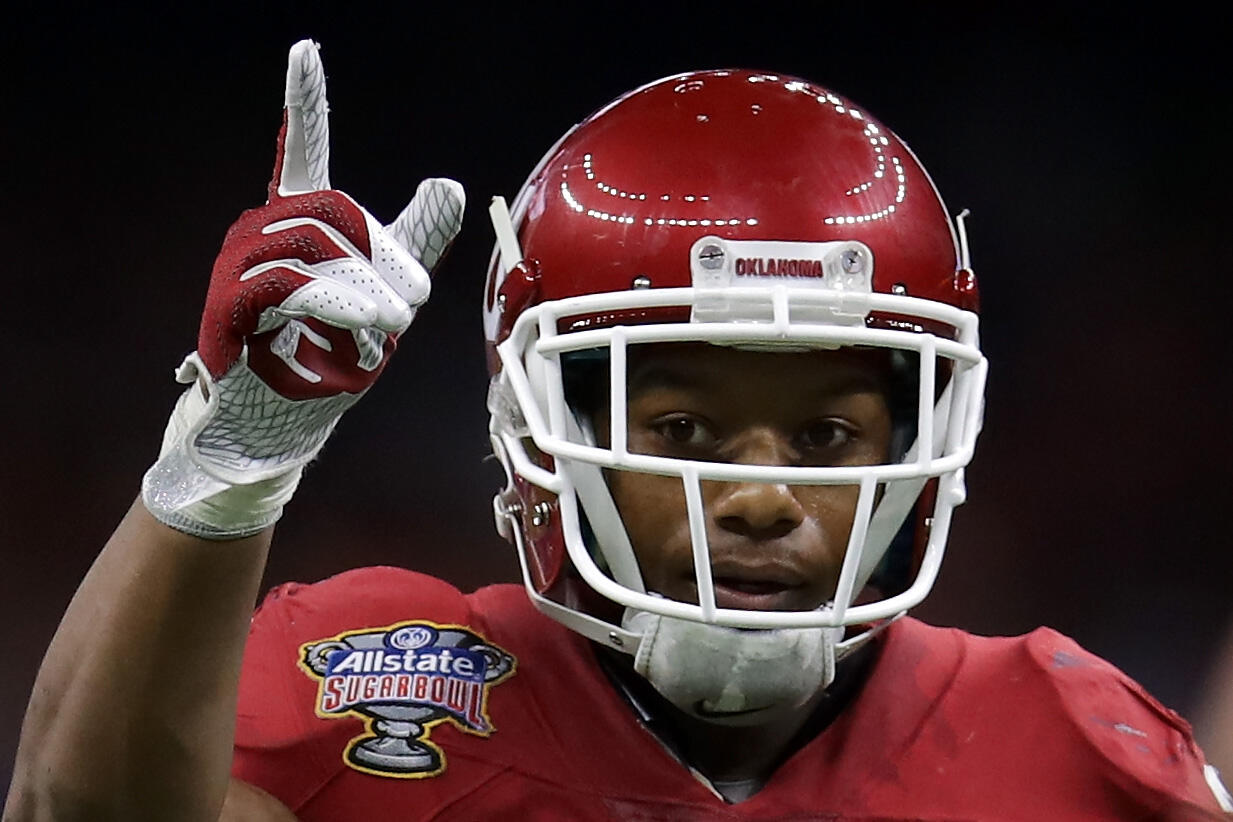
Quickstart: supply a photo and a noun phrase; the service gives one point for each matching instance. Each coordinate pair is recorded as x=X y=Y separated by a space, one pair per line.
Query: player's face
x=773 y=547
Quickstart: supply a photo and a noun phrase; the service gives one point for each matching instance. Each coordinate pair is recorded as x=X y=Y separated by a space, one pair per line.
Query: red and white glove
x=307 y=299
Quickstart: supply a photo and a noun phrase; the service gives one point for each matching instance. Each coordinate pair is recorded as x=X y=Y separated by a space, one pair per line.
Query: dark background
x=1091 y=147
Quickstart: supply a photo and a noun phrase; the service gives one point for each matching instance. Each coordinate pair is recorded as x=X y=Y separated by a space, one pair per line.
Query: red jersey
x=386 y=694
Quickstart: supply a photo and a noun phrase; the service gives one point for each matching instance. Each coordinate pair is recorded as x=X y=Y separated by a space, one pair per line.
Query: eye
x=827 y=435
x=684 y=431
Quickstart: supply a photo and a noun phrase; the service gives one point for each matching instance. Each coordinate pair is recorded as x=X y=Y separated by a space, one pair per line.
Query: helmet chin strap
x=733 y=676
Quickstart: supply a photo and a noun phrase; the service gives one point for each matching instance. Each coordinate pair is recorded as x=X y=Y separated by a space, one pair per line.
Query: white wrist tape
x=181 y=493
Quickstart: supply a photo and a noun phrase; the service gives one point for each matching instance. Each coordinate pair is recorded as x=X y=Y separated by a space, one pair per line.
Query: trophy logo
x=403 y=680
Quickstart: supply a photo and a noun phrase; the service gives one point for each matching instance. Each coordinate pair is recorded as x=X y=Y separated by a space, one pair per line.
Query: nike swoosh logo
x=701 y=710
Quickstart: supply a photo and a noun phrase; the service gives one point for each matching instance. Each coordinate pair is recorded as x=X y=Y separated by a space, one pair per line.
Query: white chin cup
x=732 y=676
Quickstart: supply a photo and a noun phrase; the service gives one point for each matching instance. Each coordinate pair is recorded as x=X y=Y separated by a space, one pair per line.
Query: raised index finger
x=304 y=157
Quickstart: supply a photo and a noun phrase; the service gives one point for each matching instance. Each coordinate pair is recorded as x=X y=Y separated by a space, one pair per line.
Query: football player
x=735 y=381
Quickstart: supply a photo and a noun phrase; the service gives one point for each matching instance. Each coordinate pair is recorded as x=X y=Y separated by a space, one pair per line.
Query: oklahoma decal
x=404 y=679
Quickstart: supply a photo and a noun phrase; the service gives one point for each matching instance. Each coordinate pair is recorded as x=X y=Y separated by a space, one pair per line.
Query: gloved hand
x=306 y=302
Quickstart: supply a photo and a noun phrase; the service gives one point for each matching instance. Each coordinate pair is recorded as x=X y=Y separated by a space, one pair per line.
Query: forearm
x=133 y=711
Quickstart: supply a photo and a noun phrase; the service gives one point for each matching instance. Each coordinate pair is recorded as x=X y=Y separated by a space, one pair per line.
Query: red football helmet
x=736 y=208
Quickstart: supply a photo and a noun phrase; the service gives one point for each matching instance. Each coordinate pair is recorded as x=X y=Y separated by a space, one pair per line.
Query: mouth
x=741 y=593
x=759 y=585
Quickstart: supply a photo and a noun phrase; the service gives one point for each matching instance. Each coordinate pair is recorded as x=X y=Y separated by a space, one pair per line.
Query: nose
x=757 y=510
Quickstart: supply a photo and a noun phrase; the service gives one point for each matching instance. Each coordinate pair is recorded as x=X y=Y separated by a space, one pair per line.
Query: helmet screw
x=852 y=261
x=711 y=257
x=615 y=639
x=501 y=302
x=641 y=281
x=540 y=514
x=900 y=289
